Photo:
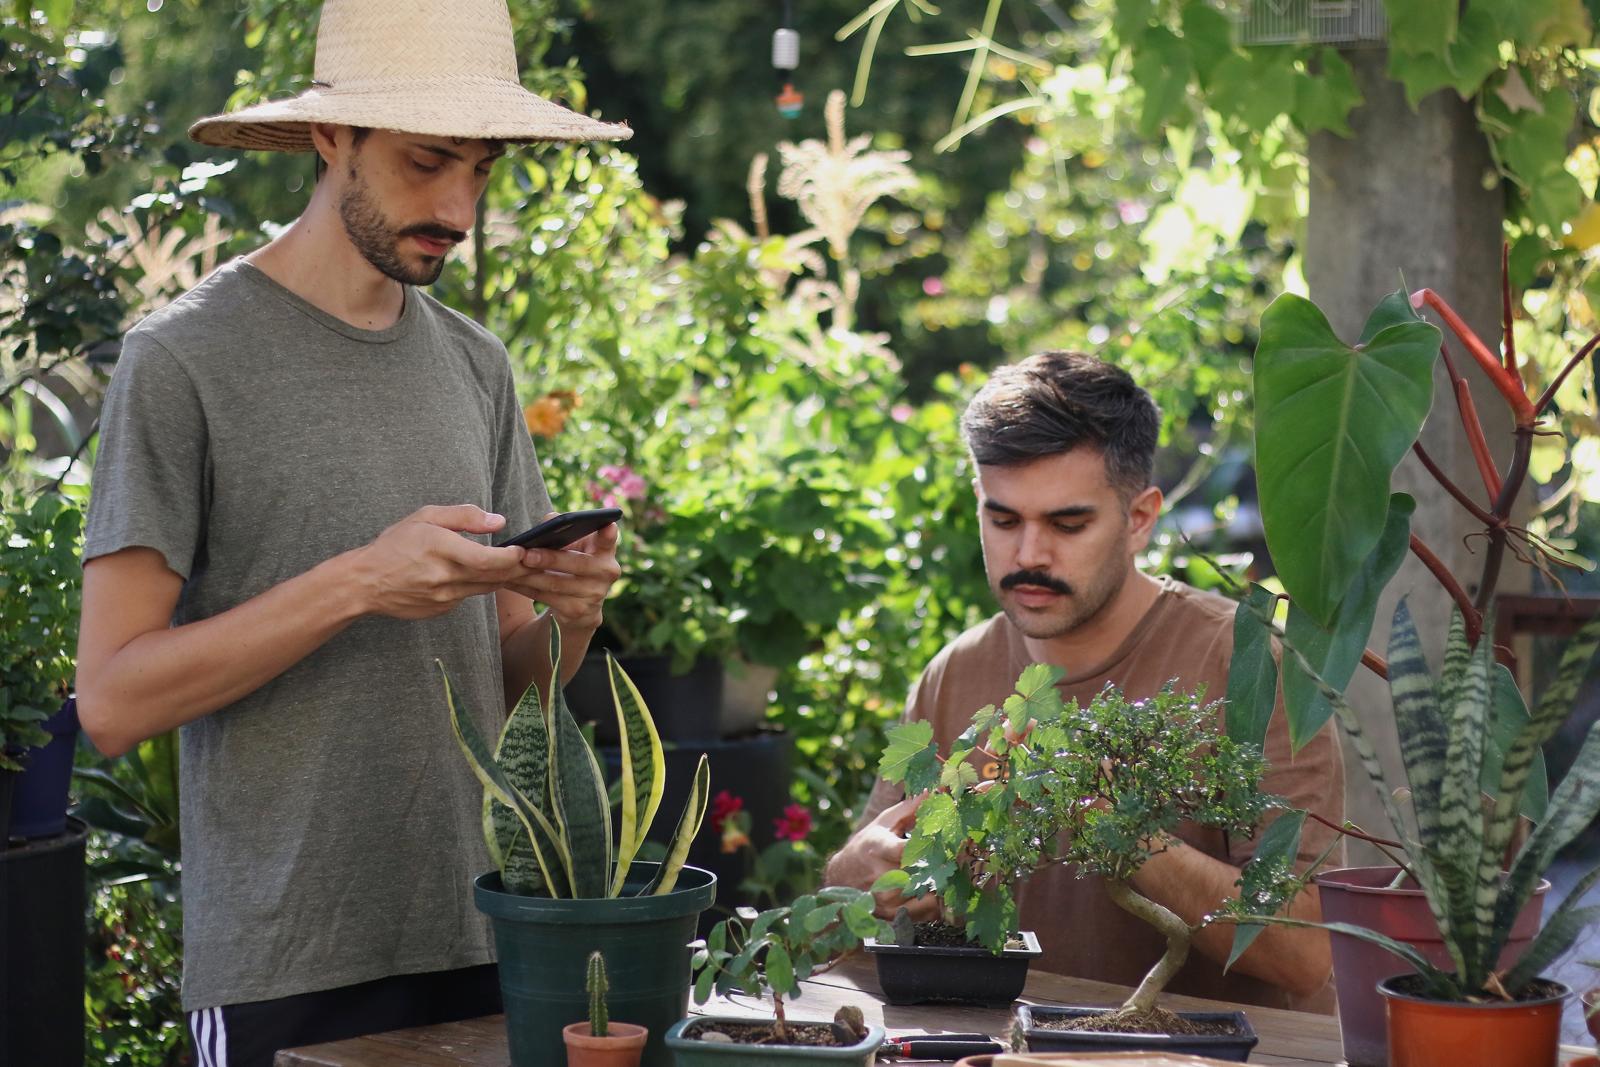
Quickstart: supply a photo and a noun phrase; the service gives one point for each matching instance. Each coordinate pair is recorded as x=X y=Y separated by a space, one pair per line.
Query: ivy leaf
x=957 y=774
x=1470 y=59
x=911 y=757
x=1162 y=70
x=1422 y=26
x=892 y=881
x=938 y=817
x=1324 y=101
x=1209 y=35
x=1040 y=698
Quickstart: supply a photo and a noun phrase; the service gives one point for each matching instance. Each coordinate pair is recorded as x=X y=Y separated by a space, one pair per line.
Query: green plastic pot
x=692 y=1052
x=543 y=947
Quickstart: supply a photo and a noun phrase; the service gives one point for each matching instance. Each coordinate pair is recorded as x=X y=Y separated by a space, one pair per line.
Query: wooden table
x=1288 y=1038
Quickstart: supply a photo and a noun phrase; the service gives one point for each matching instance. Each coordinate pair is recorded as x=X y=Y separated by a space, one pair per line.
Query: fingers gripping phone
x=558 y=531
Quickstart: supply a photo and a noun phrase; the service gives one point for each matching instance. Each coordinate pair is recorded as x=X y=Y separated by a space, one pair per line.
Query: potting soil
x=1155 y=1021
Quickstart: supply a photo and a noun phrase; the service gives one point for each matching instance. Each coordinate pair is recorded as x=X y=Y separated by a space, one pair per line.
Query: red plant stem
x=1476 y=439
x=1473 y=616
x=1375 y=663
x=1503 y=380
x=1550 y=393
x=1516 y=474
x=1451 y=487
x=1351 y=831
x=1508 y=340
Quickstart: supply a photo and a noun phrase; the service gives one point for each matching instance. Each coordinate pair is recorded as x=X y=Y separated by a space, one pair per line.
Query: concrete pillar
x=1412 y=192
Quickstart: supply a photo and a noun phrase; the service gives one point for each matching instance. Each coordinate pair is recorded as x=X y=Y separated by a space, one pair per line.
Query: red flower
x=723 y=805
x=794 y=824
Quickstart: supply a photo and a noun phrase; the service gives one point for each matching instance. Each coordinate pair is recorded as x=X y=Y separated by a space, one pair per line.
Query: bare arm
x=138 y=676
x=1191 y=884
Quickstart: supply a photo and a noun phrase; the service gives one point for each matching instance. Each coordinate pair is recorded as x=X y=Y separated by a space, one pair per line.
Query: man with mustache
x=305 y=463
x=1064 y=445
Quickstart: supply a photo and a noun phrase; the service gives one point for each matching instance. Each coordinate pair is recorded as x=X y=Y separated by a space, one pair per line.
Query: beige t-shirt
x=1186 y=635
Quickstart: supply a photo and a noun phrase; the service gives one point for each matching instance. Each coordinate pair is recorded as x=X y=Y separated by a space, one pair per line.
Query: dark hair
x=1053 y=402
x=321 y=165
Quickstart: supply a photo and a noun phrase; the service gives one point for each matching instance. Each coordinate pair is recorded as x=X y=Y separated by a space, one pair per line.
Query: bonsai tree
x=774 y=951
x=40 y=584
x=1102 y=787
x=547 y=811
x=1454 y=845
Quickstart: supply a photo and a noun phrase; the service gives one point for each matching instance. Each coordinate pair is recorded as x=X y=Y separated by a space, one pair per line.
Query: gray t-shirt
x=330 y=824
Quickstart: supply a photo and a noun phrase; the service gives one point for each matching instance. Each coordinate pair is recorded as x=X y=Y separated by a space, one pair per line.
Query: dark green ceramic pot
x=543 y=947
x=690 y=1051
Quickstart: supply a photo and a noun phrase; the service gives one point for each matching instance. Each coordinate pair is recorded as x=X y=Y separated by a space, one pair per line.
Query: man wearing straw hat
x=304 y=461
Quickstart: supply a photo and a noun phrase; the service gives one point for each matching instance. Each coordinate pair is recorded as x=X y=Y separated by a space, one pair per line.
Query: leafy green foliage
x=1101 y=787
x=546 y=774
x=1332 y=422
x=774 y=951
x=40 y=587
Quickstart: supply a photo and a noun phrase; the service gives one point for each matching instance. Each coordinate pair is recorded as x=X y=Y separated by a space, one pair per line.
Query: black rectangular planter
x=1234 y=1048
x=963 y=974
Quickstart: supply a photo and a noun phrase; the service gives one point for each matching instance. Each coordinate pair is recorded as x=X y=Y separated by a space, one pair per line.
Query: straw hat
x=446 y=68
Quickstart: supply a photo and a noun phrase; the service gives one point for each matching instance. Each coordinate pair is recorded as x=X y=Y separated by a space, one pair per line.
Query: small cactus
x=597 y=987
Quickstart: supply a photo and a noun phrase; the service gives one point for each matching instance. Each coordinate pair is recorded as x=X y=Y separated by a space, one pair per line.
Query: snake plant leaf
x=494 y=779
x=694 y=812
x=1252 y=673
x=582 y=805
x=1423 y=740
x=1561 y=928
x=1457 y=657
x=1573 y=806
x=1460 y=825
x=1510 y=719
x=1405 y=951
x=643 y=763
x=1332 y=422
x=524 y=751
x=1336 y=652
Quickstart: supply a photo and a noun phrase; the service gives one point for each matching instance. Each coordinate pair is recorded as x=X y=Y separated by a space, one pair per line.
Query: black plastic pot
x=39 y=805
x=42 y=899
x=686 y=707
x=543 y=948
x=961 y=974
x=1231 y=1048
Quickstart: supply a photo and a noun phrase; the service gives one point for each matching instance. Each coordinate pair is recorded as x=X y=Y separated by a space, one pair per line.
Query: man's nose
x=1033 y=548
x=457 y=206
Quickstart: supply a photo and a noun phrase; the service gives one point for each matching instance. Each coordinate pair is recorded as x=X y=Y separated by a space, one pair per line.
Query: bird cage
x=1345 y=22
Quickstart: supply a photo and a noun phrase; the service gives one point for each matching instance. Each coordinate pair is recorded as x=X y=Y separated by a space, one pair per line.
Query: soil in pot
x=1226 y=1036
x=720 y=1041
x=960 y=972
x=814 y=1035
x=944 y=935
x=1525 y=1032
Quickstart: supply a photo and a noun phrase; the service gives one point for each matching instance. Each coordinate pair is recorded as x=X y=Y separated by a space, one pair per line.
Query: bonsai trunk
x=780 y=1025
x=1174 y=929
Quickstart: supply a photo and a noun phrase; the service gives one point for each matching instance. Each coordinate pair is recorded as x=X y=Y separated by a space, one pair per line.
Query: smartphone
x=558 y=531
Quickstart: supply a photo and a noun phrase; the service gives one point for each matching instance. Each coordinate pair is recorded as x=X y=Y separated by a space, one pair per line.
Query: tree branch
x=1175 y=930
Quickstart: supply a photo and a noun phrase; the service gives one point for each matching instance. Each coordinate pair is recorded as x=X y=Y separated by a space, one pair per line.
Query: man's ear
x=1143 y=511
x=325 y=141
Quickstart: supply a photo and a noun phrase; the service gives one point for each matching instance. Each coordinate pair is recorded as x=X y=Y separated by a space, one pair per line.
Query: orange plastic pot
x=1444 y=1033
x=621 y=1047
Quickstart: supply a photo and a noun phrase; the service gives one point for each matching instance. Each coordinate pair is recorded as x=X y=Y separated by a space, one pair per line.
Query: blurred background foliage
x=756 y=333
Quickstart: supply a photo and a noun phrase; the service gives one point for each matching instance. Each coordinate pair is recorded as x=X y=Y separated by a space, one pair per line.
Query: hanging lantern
x=785 y=60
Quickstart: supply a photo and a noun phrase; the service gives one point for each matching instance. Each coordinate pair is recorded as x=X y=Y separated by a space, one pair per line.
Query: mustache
x=435 y=231
x=1038 y=578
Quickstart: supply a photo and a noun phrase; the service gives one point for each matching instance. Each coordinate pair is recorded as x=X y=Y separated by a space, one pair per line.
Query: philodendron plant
x=547 y=811
x=1455 y=844
x=1102 y=787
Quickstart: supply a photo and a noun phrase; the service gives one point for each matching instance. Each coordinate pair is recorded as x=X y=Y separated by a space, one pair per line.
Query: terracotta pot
x=1444 y=1033
x=621 y=1047
x=1360 y=896
x=1591 y=1011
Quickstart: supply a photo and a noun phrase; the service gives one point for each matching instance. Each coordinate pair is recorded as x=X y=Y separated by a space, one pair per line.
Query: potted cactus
x=770 y=954
x=599 y=1042
x=1100 y=787
x=567 y=883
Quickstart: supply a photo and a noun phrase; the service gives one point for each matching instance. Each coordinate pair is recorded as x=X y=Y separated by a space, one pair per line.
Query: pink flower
x=1131 y=212
x=902 y=412
x=933 y=286
x=611 y=472
x=794 y=824
x=723 y=805
x=631 y=486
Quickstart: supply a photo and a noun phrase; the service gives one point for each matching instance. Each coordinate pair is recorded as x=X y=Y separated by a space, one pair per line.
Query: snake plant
x=546 y=808
x=1457 y=841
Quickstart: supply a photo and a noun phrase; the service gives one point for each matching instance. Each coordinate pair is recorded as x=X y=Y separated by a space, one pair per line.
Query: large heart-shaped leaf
x=1332 y=422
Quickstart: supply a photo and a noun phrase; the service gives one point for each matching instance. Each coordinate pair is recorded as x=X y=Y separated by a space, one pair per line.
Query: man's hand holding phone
x=570 y=577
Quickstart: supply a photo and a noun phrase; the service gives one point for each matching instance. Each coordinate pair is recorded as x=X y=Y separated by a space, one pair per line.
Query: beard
x=1076 y=606
x=378 y=239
